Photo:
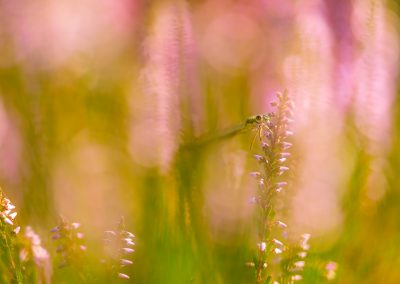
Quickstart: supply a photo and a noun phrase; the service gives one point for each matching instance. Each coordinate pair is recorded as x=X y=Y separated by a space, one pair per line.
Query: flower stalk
x=8 y=231
x=273 y=136
x=119 y=247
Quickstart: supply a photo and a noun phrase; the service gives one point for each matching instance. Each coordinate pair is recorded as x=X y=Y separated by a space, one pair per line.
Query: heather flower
x=331 y=268
x=69 y=243
x=273 y=140
x=33 y=254
x=119 y=247
x=304 y=242
x=297 y=277
x=6 y=211
x=294 y=260
x=271 y=182
x=281 y=224
x=299 y=264
x=166 y=78
x=262 y=246
x=8 y=242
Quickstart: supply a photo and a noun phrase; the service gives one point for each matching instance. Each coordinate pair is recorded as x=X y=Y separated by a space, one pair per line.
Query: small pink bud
x=130 y=235
x=281 y=224
x=277 y=242
x=286 y=145
x=75 y=225
x=56 y=236
x=128 y=250
x=264 y=145
x=259 y=158
x=55 y=229
x=10 y=206
x=262 y=246
x=255 y=174
x=302 y=254
x=299 y=264
x=281 y=184
x=123 y=276
x=126 y=262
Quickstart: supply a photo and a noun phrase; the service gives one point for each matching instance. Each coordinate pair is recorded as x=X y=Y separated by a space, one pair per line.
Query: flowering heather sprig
x=8 y=231
x=6 y=213
x=293 y=261
x=119 y=245
x=35 y=257
x=69 y=243
x=273 y=139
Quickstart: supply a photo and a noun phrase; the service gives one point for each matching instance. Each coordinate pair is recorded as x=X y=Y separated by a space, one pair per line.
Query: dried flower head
x=119 y=246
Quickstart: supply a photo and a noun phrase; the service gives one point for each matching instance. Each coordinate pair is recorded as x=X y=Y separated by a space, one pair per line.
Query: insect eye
x=258 y=118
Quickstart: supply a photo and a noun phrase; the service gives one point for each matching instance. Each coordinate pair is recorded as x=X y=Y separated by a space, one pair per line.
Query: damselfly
x=259 y=123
